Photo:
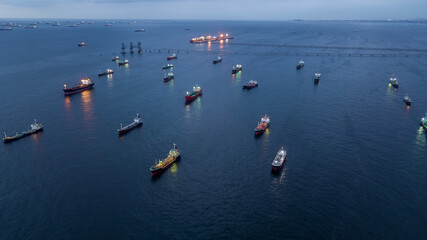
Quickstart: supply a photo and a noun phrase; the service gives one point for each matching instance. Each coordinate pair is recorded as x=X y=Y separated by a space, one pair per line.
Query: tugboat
x=407 y=100
x=35 y=127
x=317 y=77
x=265 y=122
x=173 y=56
x=300 y=64
x=85 y=84
x=250 y=84
x=82 y=44
x=168 y=77
x=219 y=59
x=394 y=82
x=236 y=69
x=197 y=90
x=423 y=122
x=125 y=62
x=162 y=165
x=108 y=71
x=116 y=58
x=279 y=160
x=167 y=66
x=137 y=121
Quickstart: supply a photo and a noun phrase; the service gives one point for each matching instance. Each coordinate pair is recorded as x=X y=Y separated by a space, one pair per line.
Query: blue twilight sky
x=215 y=9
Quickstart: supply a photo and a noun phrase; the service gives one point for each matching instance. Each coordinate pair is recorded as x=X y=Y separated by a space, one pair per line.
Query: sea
x=356 y=164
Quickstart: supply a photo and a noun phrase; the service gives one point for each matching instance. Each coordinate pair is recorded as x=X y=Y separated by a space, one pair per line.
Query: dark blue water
x=357 y=157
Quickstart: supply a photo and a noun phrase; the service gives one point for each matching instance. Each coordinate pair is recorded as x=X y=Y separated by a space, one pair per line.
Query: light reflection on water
x=110 y=81
x=87 y=105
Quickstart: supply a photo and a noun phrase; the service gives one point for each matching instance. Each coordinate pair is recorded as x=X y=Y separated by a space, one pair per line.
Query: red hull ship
x=197 y=91
x=173 y=56
x=265 y=122
x=164 y=164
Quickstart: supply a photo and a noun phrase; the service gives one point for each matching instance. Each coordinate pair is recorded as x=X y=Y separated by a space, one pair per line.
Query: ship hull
x=316 y=81
x=216 y=61
x=236 y=71
x=71 y=91
x=278 y=168
x=124 y=131
x=249 y=86
x=299 y=66
x=395 y=85
x=8 y=140
x=408 y=103
x=170 y=58
x=191 y=98
x=260 y=131
x=104 y=73
x=168 y=79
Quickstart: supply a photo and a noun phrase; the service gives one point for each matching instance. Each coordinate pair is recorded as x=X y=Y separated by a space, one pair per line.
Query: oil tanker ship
x=137 y=121
x=85 y=84
x=265 y=122
x=35 y=128
x=162 y=165
x=197 y=90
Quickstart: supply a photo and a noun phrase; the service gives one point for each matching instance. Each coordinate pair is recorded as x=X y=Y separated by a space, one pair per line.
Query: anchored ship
x=300 y=64
x=173 y=56
x=123 y=52
x=197 y=90
x=407 y=100
x=139 y=47
x=209 y=38
x=236 y=69
x=251 y=84
x=265 y=122
x=219 y=59
x=85 y=84
x=140 y=30
x=131 y=48
x=106 y=72
x=35 y=127
x=168 y=77
x=137 y=121
x=423 y=122
x=167 y=66
x=162 y=165
x=279 y=160
x=116 y=58
x=394 y=82
x=123 y=62
x=317 y=77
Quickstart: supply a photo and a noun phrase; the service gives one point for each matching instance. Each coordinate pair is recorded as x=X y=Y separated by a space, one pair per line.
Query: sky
x=216 y=9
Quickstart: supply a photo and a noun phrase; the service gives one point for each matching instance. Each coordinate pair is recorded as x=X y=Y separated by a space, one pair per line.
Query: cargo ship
x=219 y=59
x=162 y=165
x=106 y=72
x=197 y=90
x=317 y=77
x=168 y=77
x=236 y=69
x=140 y=30
x=209 y=38
x=168 y=66
x=265 y=122
x=35 y=127
x=173 y=56
x=300 y=64
x=423 y=122
x=394 y=82
x=279 y=160
x=125 y=62
x=407 y=100
x=137 y=121
x=116 y=58
x=251 y=84
x=82 y=44
x=85 y=84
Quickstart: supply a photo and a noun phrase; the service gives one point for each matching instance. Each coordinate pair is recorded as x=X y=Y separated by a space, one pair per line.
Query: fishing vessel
x=82 y=44
x=423 y=122
x=116 y=58
x=168 y=77
x=125 y=62
x=300 y=64
x=106 y=72
x=251 y=84
x=167 y=66
x=140 y=30
x=219 y=59
x=85 y=84
x=236 y=69
x=197 y=90
x=279 y=160
x=317 y=77
x=394 y=82
x=262 y=125
x=35 y=127
x=173 y=56
x=162 y=165
x=407 y=100
x=137 y=121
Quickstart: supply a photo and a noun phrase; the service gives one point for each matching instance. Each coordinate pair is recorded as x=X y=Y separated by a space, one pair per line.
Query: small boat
x=317 y=77
x=140 y=30
x=236 y=69
x=423 y=122
x=85 y=84
x=162 y=165
x=137 y=121
x=116 y=58
x=168 y=77
x=394 y=82
x=407 y=100
x=300 y=64
x=125 y=62
x=219 y=59
x=167 y=66
x=35 y=127
x=82 y=44
x=279 y=160
x=197 y=91
x=106 y=72
x=173 y=56
x=251 y=84
x=265 y=122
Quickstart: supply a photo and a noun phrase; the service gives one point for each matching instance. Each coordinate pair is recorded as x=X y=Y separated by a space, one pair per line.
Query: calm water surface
x=357 y=158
